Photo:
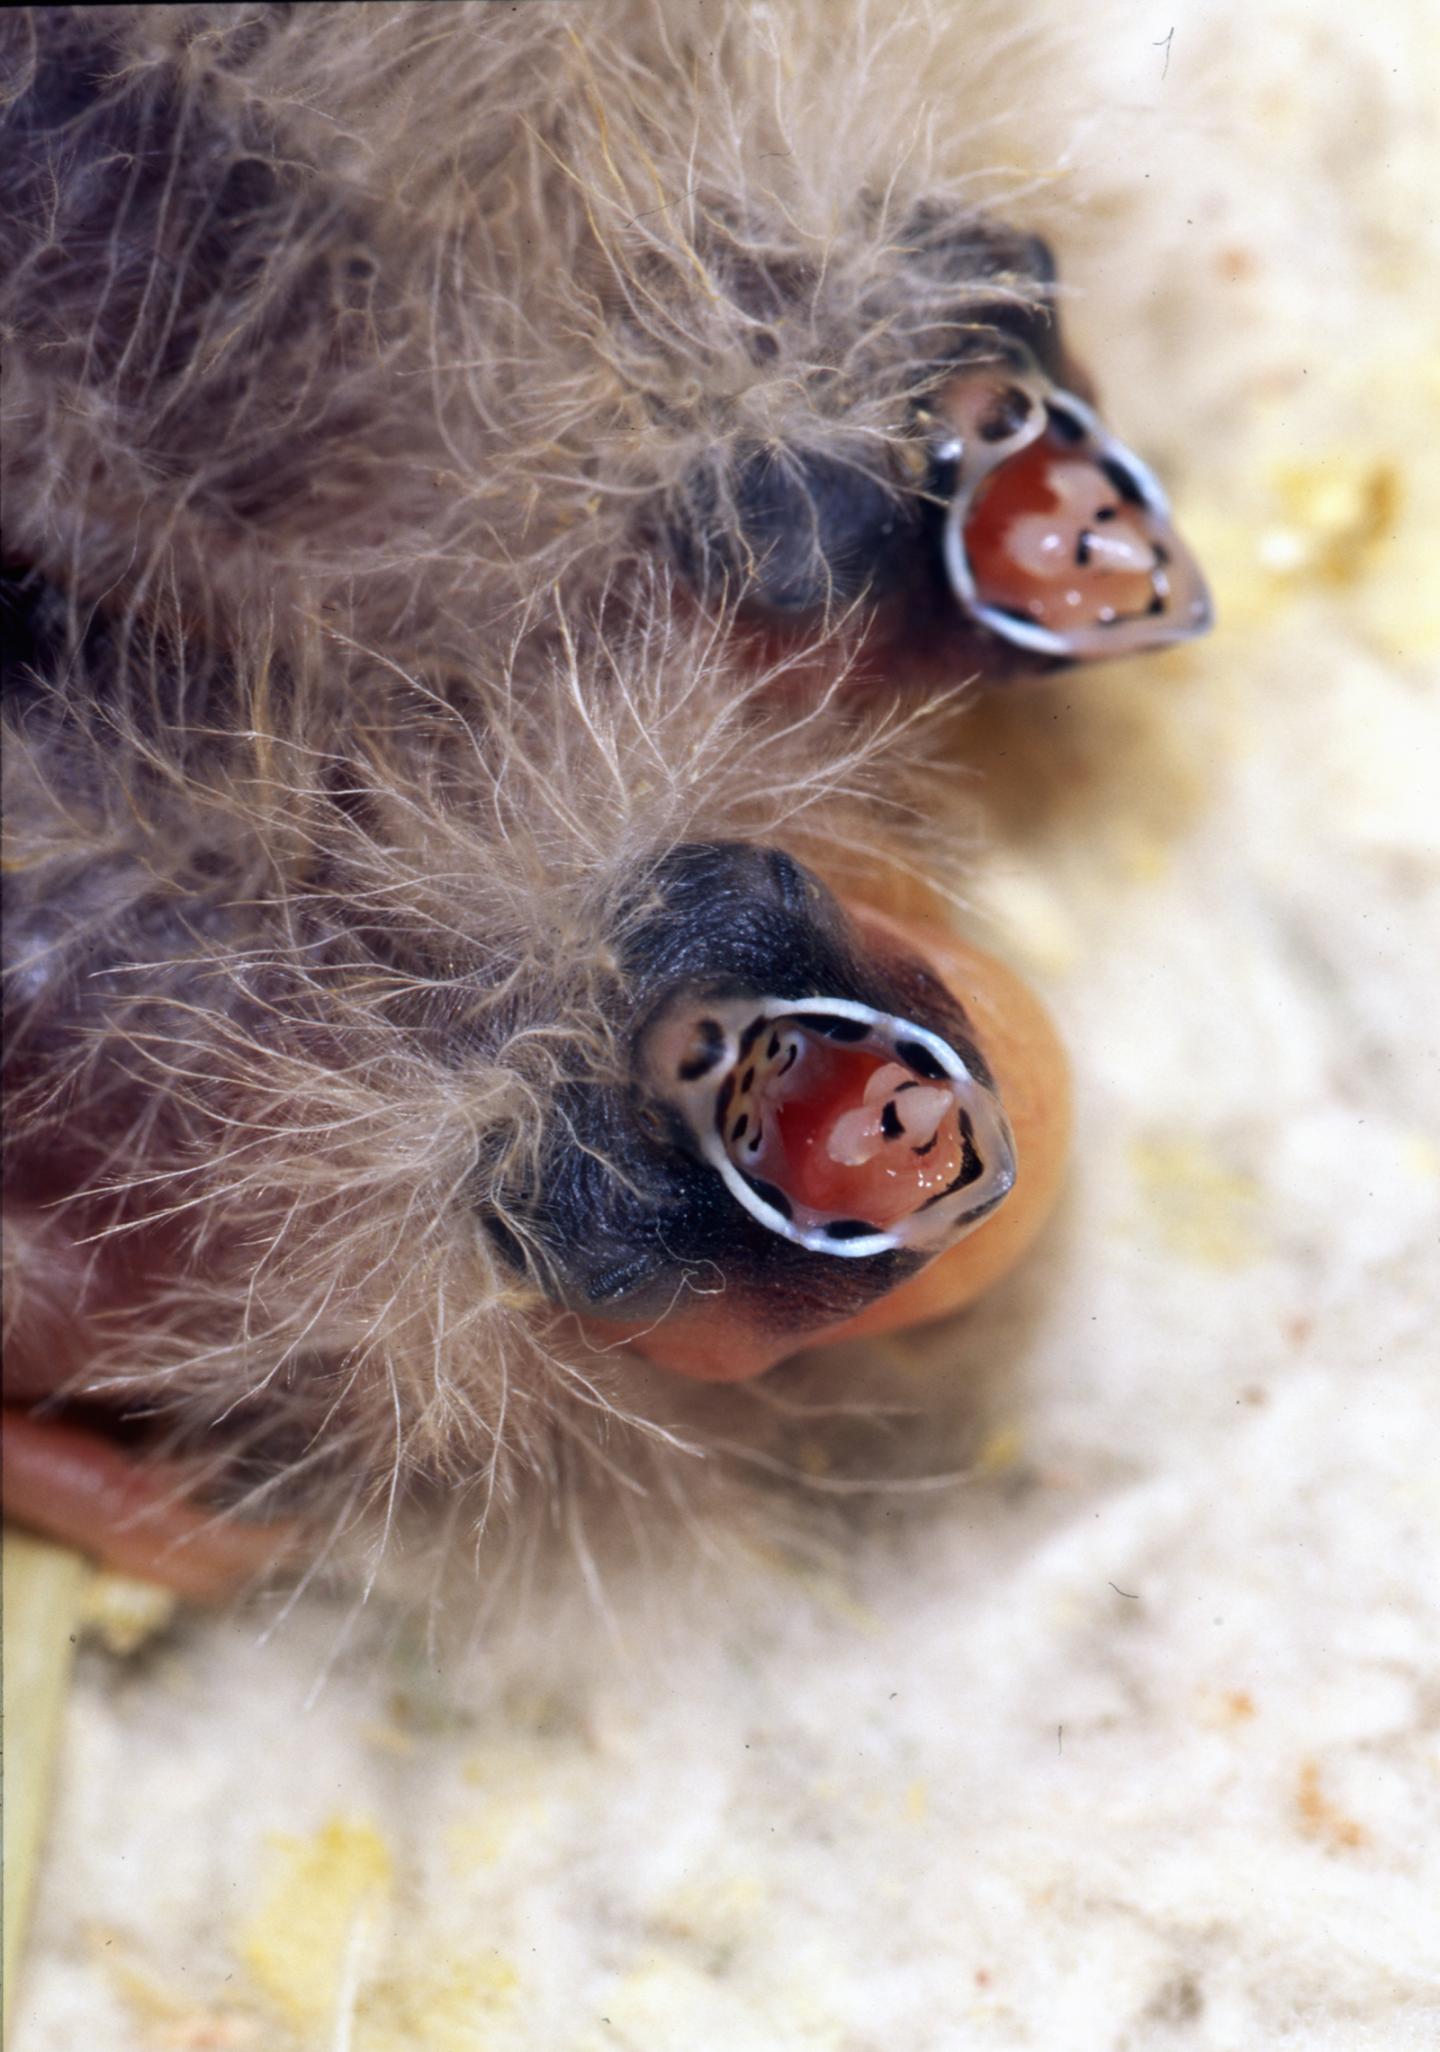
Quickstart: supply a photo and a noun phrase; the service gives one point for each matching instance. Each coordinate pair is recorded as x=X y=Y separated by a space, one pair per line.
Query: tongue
x=859 y=1136
x=854 y=1134
x=1051 y=538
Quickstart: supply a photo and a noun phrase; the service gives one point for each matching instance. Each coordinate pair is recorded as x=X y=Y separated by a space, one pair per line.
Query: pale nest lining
x=1132 y=1742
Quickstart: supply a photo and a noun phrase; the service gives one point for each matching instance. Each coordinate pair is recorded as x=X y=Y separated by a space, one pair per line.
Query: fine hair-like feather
x=385 y=392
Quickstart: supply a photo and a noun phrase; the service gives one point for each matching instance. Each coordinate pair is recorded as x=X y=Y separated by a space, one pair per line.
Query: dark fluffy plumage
x=372 y=376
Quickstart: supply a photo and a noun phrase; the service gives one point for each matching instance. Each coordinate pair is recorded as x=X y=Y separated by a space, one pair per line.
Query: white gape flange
x=728 y=1029
x=994 y=412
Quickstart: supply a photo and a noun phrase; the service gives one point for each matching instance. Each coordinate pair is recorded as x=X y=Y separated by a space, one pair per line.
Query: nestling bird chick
x=457 y=461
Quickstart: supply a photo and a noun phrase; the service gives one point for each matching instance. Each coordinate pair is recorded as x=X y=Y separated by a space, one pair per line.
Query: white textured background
x=1134 y=1740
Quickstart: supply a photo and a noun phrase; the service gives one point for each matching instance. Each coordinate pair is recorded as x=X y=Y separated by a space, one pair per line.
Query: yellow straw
x=44 y=1591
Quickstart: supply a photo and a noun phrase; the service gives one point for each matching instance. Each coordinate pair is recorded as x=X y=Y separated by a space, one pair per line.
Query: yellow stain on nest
x=125 y=1613
x=169 y=2015
x=508 y=1822
x=325 y=1892
x=1359 y=520
x=1000 y=1452
x=1225 y=1709
x=442 y=2010
x=1138 y=850
x=720 y=1911
x=663 y=2000
x=659 y=1993
x=1336 y=515
x=1202 y=1210
x=319 y=1949
x=1294 y=527
x=1320 y=1818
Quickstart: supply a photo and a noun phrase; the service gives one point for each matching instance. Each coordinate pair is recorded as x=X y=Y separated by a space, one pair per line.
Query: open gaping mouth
x=1058 y=538
x=844 y=1129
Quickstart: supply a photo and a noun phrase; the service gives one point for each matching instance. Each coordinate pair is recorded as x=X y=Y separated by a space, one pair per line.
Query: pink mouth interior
x=1051 y=537
x=843 y=1130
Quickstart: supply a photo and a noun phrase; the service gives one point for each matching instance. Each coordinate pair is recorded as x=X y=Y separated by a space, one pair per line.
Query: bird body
x=413 y=416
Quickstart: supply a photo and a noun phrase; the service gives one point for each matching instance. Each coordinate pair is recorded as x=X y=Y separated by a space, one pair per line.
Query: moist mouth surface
x=847 y=1130
x=1058 y=538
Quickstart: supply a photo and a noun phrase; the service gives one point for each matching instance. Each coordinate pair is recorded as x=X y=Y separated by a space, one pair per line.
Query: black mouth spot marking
x=1156 y=605
x=712 y=1047
x=833 y=1028
x=1123 y=482
x=790 y=1060
x=1065 y=424
x=1082 y=550
x=971 y=1166
x=921 y=1060
x=747 y=1081
x=741 y=1127
x=890 y=1125
x=1008 y=412
x=1106 y=513
x=749 y=1037
x=769 y=1194
x=847 y=1229
x=929 y=1147
x=774 y=1048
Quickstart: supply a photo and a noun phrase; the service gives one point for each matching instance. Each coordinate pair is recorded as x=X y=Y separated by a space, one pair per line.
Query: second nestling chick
x=1007 y=524
x=376 y=1051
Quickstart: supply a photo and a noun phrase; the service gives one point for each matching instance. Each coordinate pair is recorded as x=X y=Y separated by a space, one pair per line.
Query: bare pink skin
x=1030 y=517
x=75 y=1486
x=66 y=1479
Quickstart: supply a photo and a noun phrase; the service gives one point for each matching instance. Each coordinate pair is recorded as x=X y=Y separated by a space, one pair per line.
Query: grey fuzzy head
x=636 y=1193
